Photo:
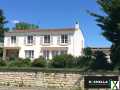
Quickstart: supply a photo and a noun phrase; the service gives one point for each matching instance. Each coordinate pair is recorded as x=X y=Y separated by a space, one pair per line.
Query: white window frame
x=47 y=39
x=29 y=54
x=46 y=54
x=30 y=39
x=13 y=39
x=64 y=38
x=63 y=52
x=55 y=53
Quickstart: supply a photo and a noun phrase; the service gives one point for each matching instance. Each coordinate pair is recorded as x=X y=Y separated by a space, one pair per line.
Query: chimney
x=77 y=25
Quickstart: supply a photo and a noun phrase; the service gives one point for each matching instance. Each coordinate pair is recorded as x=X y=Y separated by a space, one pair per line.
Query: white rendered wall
x=74 y=47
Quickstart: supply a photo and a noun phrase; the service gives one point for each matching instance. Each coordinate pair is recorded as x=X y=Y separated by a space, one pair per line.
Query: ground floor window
x=63 y=52
x=46 y=54
x=29 y=53
x=55 y=53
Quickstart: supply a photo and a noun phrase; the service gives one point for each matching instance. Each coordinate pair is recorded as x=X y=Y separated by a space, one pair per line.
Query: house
x=43 y=42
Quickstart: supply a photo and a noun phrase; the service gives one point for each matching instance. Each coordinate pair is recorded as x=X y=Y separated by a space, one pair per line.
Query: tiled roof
x=40 y=30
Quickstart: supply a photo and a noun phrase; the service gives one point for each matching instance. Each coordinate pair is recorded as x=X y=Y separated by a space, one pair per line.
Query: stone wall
x=44 y=78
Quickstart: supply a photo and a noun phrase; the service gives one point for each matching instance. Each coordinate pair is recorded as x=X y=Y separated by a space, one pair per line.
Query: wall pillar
x=4 y=53
x=50 y=54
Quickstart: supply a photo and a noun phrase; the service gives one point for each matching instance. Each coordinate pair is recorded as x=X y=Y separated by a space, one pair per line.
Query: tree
x=2 y=25
x=87 y=52
x=84 y=62
x=100 y=63
x=110 y=25
x=24 y=26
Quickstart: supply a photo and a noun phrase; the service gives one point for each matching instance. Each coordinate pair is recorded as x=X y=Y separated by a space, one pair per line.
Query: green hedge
x=40 y=62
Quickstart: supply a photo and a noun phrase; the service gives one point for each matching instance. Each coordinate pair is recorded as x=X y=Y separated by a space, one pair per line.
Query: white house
x=43 y=42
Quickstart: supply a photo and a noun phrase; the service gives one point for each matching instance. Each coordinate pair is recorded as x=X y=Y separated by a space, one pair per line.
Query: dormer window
x=46 y=38
x=64 y=38
x=13 y=39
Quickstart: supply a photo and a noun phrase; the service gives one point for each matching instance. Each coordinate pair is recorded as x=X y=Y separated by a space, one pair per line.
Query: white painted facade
x=59 y=41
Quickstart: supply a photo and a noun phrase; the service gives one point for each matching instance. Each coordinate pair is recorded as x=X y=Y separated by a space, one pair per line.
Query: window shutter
x=69 y=39
x=17 y=40
x=58 y=40
x=25 y=40
x=34 y=40
x=51 y=39
x=8 y=40
x=41 y=40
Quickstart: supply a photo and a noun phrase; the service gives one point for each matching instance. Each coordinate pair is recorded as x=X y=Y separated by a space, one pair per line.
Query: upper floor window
x=13 y=39
x=64 y=38
x=30 y=39
x=29 y=53
x=46 y=38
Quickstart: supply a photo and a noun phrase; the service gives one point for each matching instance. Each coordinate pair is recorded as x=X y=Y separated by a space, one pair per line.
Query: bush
x=63 y=61
x=19 y=63
x=1 y=52
x=26 y=62
x=40 y=62
x=2 y=63
x=84 y=62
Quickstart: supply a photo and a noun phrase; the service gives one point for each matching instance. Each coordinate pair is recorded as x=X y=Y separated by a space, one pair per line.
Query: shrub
x=1 y=52
x=84 y=62
x=63 y=61
x=19 y=63
x=39 y=62
x=2 y=63
x=26 y=62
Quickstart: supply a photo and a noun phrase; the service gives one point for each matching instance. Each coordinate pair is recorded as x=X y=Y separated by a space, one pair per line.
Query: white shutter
x=34 y=40
x=69 y=39
x=17 y=40
x=25 y=40
x=41 y=40
x=58 y=40
x=51 y=39
x=9 y=41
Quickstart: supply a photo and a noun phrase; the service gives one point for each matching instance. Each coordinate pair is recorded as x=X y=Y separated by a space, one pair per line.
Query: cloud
x=15 y=21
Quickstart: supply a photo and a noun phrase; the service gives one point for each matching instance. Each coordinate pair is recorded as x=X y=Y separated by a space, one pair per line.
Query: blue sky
x=57 y=14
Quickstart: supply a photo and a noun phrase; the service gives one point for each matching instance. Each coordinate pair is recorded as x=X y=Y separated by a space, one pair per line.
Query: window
x=46 y=54
x=54 y=53
x=64 y=38
x=29 y=54
x=13 y=39
x=29 y=39
x=63 y=52
x=46 y=38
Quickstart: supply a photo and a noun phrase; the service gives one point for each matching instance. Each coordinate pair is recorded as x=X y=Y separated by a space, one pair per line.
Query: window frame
x=46 y=54
x=30 y=39
x=13 y=39
x=29 y=54
x=64 y=38
x=47 y=39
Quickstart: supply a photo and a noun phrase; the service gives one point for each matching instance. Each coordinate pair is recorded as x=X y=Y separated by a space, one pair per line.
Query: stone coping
x=57 y=70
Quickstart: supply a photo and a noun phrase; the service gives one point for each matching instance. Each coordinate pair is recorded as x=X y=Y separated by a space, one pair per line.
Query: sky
x=57 y=14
